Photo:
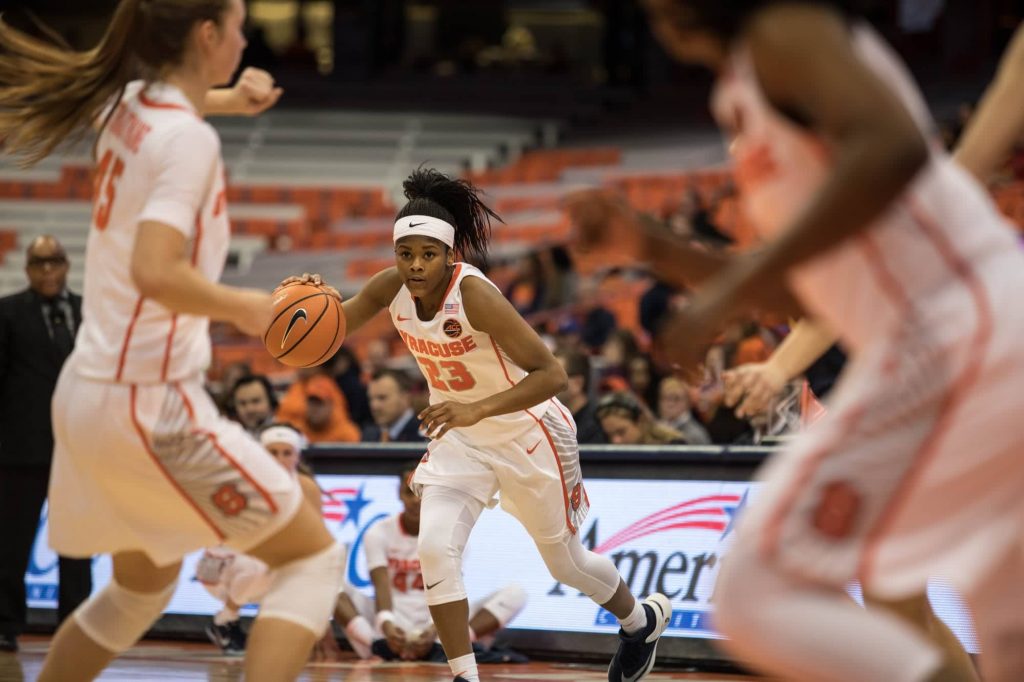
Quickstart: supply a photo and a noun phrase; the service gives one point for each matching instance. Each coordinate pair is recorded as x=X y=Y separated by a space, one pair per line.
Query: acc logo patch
x=452 y=328
x=576 y=497
x=837 y=510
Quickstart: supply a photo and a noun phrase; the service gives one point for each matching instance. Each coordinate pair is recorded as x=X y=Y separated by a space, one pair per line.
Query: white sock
x=360 y=635
x=465 y=667
x=225 y=616
x=636 y=620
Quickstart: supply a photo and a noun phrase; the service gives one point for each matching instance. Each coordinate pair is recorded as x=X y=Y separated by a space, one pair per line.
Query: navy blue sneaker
x=635 y=656
x=229 y=637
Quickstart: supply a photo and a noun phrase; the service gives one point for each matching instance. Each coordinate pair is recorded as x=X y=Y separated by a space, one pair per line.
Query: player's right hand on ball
x=253 y=311
x=315 y=279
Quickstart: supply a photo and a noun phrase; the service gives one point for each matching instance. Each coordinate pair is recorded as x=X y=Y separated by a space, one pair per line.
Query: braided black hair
x=456 y=201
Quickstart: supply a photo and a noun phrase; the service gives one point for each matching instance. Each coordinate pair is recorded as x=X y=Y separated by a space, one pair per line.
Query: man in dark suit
x=37 y=331
x=391 y=407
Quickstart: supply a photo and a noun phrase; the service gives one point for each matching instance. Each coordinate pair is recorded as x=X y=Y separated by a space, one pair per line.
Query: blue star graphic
x=733 y=513
x=355 y=507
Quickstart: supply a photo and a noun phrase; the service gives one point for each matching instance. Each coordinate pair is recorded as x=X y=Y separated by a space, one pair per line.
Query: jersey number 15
x=105 y=188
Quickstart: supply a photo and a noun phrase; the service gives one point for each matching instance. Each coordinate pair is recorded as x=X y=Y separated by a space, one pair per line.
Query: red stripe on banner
x=671 y=512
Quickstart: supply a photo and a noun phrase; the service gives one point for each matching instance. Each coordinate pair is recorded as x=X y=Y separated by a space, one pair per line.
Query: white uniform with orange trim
x=143 y=461
x=917 y=469
x=531 y=456
x=387 y=545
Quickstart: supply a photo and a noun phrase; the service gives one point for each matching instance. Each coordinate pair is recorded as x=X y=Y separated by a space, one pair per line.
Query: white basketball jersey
x=462 y=364
x=386 y=544
x=869 y=283
x=157 y=161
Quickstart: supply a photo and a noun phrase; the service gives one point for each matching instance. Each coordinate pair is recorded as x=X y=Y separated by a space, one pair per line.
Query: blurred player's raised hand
x=750 y=388
x=602 y=220
x=254 y=92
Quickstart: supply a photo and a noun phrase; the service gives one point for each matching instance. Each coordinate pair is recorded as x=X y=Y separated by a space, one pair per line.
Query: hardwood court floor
x=160 y=661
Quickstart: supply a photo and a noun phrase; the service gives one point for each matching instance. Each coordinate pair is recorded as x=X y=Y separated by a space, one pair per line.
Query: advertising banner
x=664 y=536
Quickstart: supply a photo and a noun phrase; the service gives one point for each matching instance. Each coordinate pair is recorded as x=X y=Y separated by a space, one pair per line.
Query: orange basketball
x=308 y=326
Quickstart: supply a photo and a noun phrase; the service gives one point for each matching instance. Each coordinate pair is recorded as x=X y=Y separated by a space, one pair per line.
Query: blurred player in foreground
x=144 y=467
x=917 y=470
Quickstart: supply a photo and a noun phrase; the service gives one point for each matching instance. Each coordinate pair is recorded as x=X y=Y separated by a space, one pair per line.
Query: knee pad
x=446 y=519
x=571 y=563
x=116 y=617
x=303 y=591
x=506 y=603
x=441 y=564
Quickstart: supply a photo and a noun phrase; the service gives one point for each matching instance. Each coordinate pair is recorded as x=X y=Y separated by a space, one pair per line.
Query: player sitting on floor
x=397 y=624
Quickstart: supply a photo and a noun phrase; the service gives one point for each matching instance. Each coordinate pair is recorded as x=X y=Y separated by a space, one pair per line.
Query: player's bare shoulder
x=482 y=300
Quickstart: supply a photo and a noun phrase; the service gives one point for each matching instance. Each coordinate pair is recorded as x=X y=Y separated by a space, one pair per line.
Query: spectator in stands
x=674 y=408
x=567 y=335
x=316 y=405
x=37 y=332
x=655 y=303
x=560 y=280
x=252 y=402
x=616 y=353
x=377 y=356
x=721 y=421
x=391 y=406
x=231 y=373
x=598 y=321
x=626 y=422
x=527 y=290
x=702 y=223
x=576 y=396
x=643 y=379
x=349 y=376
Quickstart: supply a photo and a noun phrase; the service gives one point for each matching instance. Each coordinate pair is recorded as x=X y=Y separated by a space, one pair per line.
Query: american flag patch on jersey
x=451 y=308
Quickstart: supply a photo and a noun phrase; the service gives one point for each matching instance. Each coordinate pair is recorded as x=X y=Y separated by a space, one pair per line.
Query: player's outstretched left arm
x=750 y=387
x=490 y=312
x=875 y=145
x=253 y=93
x=998 y=124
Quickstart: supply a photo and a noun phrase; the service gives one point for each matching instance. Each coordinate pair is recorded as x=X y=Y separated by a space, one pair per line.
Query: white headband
x=283 y=434
x=425 y=226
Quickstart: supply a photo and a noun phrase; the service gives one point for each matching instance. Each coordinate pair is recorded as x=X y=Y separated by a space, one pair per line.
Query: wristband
x=384 y=617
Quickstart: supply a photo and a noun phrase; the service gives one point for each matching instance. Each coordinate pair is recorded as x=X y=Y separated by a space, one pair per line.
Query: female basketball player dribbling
x=144 y=468
x=495 y=423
